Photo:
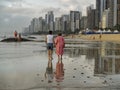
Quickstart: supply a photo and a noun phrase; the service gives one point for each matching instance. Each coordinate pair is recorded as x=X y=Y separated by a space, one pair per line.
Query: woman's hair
x=50 y=32
x=59 y=34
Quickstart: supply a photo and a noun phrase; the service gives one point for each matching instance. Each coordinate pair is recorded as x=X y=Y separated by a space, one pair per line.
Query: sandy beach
x=96 y=37
x=23 y=66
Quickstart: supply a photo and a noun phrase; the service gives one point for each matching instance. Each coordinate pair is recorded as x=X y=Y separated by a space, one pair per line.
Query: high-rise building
x=65 y=23
x=114 y=12
x=91 y=18
x=62 y=23
x=113 y=6
x=84 y=22
x=36 y=25
x=49 y=17
x=104 y=21
x=118 y=12
x=101 y=5
x=31 y=27
x=40 y=24
x=112 y=21
x=58 y=24
x=75 y=17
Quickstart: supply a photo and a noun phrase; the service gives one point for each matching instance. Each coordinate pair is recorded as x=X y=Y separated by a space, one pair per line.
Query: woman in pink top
x=59 y=44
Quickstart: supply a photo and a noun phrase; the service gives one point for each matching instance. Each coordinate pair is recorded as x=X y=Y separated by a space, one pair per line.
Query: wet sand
x=29 y=75
x=82 y=65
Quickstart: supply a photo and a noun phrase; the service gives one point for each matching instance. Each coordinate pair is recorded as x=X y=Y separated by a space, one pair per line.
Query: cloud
x=20 y=12
x=24 y=7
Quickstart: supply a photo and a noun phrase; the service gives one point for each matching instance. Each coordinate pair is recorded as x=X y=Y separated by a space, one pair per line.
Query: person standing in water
x=19 y=37
x=59 y=44
x=15 y=34
x=49 y=41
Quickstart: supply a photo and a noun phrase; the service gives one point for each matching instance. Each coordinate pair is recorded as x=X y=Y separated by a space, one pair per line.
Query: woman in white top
x=49 y=42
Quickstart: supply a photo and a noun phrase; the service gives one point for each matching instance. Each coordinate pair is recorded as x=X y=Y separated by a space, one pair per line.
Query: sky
x=17 y=14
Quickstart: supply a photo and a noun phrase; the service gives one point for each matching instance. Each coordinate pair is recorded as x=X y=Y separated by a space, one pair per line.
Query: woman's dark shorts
x=50 y=46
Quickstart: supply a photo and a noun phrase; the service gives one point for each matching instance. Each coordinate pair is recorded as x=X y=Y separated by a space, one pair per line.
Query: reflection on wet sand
x=80 y=68
x=108 y=61
x=90 y=53
x=49 y=74
x=106 y=55
x=59 y=73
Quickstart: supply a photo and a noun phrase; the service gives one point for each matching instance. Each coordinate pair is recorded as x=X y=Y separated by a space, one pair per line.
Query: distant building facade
x=113 y=6
x=49 y=17
x=104 y=21
x=75 y=17
x=118 y=12
x=91 y=17
x=58 y=24
x=65 y=23
x=84 y=22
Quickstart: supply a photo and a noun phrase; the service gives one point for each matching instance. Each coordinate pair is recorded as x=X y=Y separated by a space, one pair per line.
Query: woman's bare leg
x=61 y=57
x=49 y=54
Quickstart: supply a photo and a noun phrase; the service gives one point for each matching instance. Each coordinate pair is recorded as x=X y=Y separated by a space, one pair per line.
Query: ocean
x=16 y=50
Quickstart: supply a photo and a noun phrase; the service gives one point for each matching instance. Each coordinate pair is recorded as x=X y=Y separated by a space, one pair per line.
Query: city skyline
x=17 y=14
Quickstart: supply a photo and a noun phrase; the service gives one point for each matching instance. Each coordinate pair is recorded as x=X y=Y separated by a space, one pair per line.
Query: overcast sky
x=16 y=14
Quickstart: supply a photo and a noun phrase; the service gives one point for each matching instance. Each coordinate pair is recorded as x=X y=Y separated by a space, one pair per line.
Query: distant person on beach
x=59 y=44
x=100 y=36
x=50 y=41
x=19 y=37
x=15 y=34
x=49 y=74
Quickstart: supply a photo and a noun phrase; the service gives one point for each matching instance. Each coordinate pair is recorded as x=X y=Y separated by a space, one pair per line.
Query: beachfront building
x=65 y=23
x=113 y=6
x=36 y=27
x=40 y=24
x=104 y=21
x=75 y=17
x=112 y=21
x=49 y=19
x=62 y=23
x=58 y=24
x=118 y=12
x=31 y=27
x=84 y=22
x=91 y=17
x=101 y=6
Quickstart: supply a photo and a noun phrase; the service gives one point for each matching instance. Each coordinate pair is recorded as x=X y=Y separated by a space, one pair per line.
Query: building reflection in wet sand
x=106 y=56
x=108 y=61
